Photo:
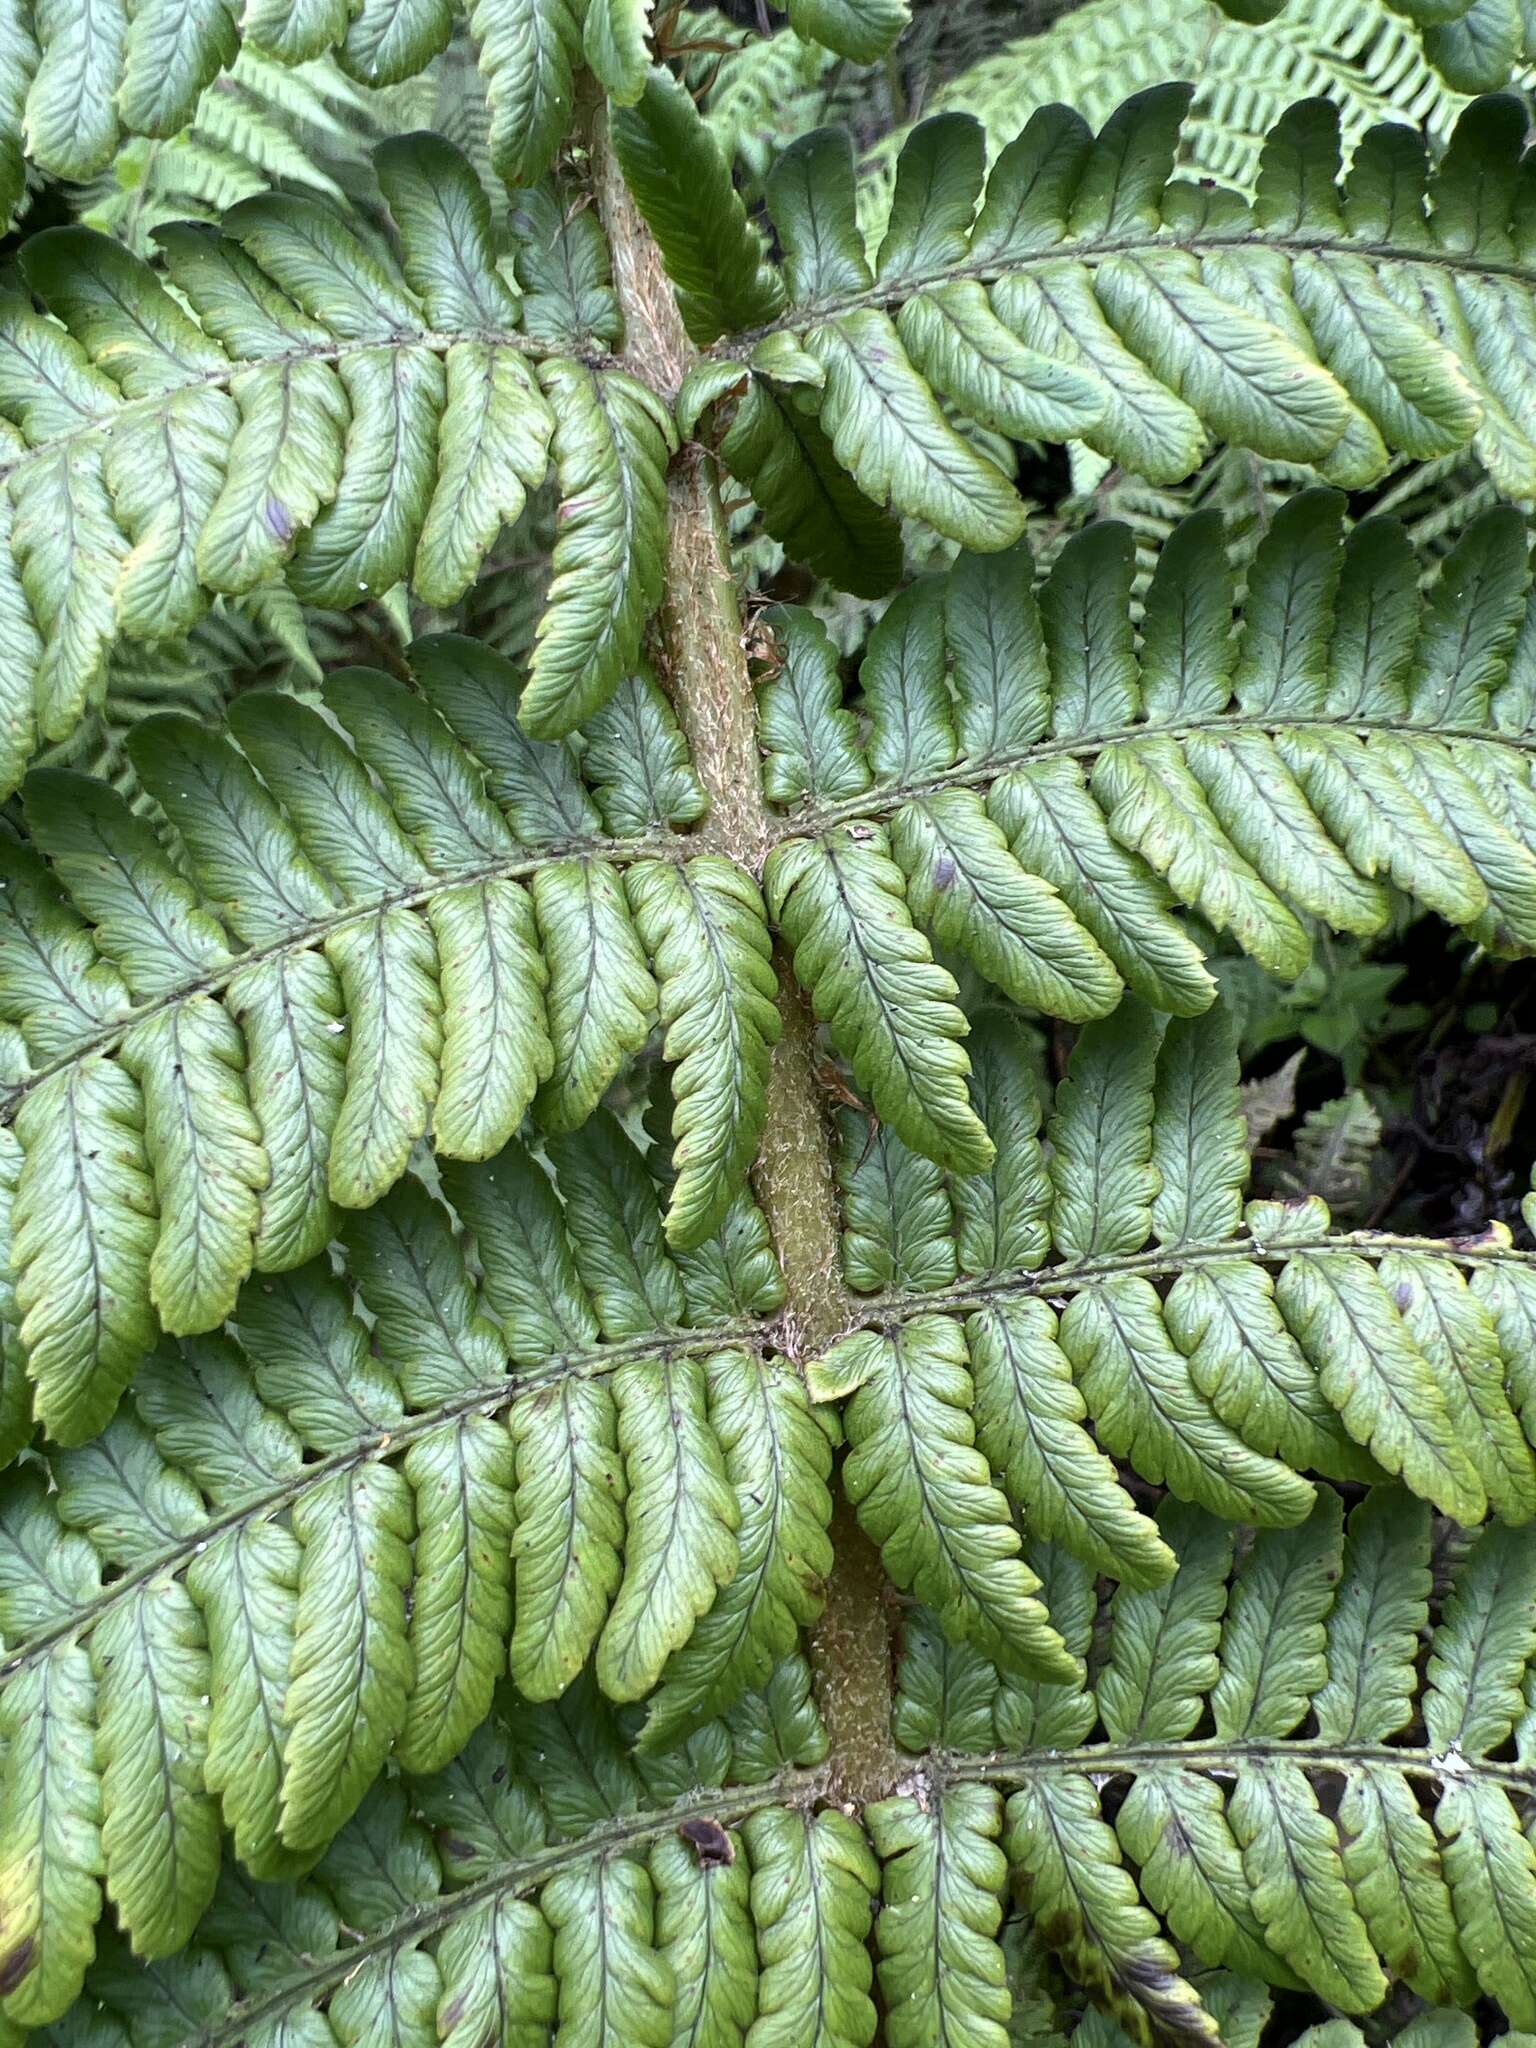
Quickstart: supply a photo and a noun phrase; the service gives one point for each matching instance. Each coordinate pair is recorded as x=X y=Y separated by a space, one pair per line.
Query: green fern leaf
x=246 y=1585
x=680 y=1525
x=778 y=1459
x=807 y=499
x=528 y=54
x=926 y=1497
x=609 y=1975
x=1029 y=1425
x=814 y=1884
x=361 y=949
x=1078 y=1886
x=682 y=184
x=943 y=1880
x=354 y=1531
x=617 y=48
x=293 y=1655
x=1270 y=1350
x=702 y=924
x=570 y=1489
x=887 y=1005
x=611 y=444
x=704 y=1929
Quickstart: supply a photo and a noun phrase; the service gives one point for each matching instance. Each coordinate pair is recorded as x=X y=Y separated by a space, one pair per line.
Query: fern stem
x=701 y=656
x=882 y=798
x=1165 y=1261
x=1218 y=1758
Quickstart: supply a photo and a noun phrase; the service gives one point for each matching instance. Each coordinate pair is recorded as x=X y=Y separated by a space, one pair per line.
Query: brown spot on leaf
x=708 y=1841
x=14 y=1967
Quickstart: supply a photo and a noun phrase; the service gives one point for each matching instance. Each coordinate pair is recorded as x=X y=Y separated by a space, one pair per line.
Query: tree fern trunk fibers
x=701 y=656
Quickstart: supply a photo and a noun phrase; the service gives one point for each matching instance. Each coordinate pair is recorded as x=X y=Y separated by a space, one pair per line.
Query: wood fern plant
x=641 y=1404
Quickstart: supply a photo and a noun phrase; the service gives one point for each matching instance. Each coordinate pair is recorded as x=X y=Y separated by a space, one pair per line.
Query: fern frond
x=306 y=127
x=169 y=456
x=1291 y=1800
x=75 y=83
x=1368 y=58
x=543 y=1877
x=225 y=1056
x=1031 y=792
x=1118 y=1282
x=1082 y=292
x=366 y=429
x=309 y=1543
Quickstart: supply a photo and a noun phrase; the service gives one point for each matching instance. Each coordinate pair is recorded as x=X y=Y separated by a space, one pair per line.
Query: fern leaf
x=70 y=122
x=1000 y=1217
x=964 y=885
x=897 y=1221
x=889 y=432
x=1029 y=1425
x=1395 y=1871
x=171 y=51
x=1291 y=1859
x=814 y=1884
x=616 y=1235
x=1138 y=1387
x=873 y=979
x=617 y=47
x=1244 y=1352
x=704 y=1930
x=807 y=499
x=528 y=53
x=1186 y=782
x=301 y=409
x=354 y=1532
x=1079 y=1888
x=160 y=1835
x=570 y=1488
x=682 y=184
x=680 y=1525
x=49 y=1892
x=461 y=1608
x=495 y=430
x=778 y=1459
x=942 y=1881
x=497 y=1976
x=1348 y=1326
x=926 y=1497
x=1237 y=1838
x=1491 y=1870
x=84 y=1233
x=360 y=949
x=610 y=1978
x=246 y=1585
x=610 y=453
x=703 y=926
x=21 y=55
x=1174 y=1825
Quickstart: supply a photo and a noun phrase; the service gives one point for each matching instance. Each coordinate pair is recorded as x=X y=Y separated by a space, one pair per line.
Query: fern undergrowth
x=665 y=1379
